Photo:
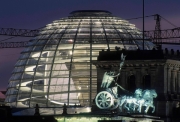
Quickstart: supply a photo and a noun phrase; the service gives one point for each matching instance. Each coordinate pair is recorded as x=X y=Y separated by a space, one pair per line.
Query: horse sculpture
x=130 y=102
x=148 y=96
x=140 y=98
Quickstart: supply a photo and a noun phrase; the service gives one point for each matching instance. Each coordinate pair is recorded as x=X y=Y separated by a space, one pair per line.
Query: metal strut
x=157 y=32
x=18 y=32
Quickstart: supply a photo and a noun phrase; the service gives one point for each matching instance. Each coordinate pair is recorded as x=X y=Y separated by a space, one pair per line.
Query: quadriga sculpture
x=108 y=99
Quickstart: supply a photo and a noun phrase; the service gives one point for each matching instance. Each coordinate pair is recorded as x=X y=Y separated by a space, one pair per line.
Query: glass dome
x=56 y=66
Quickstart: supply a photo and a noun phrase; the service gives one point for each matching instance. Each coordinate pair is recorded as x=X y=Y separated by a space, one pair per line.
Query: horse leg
x=153 y=109
x=139 y=108
x=147 y=108
x=120 y=108
x=134 y=108
x=120 y=104
x=126 y=106
x=135 y=104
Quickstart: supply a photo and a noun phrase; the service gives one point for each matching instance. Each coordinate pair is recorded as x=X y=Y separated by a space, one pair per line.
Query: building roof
x=131 y=55
x=91 y=13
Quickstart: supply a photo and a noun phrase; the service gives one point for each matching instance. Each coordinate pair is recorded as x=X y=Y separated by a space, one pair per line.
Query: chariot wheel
x=115 y=104
x=104 y=100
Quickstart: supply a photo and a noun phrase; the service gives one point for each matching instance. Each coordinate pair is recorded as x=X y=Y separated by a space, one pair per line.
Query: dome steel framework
x=56 y=66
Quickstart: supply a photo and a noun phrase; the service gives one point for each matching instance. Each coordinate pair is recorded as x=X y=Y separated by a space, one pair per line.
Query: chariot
x=107 y=99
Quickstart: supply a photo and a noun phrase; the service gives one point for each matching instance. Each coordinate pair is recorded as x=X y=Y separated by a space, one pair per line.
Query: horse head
x=149 y=94
x=153 y=93
x=138 y=93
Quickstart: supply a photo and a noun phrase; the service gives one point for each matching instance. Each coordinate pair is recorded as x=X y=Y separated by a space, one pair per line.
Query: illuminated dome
x=56 y=66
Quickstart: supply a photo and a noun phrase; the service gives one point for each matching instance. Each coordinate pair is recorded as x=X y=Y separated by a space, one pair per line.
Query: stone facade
x=161 y=74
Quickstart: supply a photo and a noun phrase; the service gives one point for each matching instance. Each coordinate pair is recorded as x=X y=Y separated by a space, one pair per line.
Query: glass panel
x=130 y=47
x=56 y=36
x=28 y=75
x=60 y=73
x=53 y=42
x=41 y=102
x=30 y=68
x=13 y=83
x=65 y=46
x=45 y=60
x=28 y=49
x=42 y=74
x=48 y=54
x=59 y=99
x=12 y=91
x=16 y=76
x=32 y=42
x=68 y=41
x=21 y=97
x=12 y=98
x=50 y=47
x=38 y=48
x=35 y=54
x=38 y=87
x=23 y=104
x=32 y=61
x=20 y=62
x=27 y=83
x=41 y=42
x=24 y=55
x=18 y=69
x=59 y=81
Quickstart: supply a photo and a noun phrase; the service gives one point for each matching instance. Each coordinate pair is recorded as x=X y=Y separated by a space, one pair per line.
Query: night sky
x=33 y=14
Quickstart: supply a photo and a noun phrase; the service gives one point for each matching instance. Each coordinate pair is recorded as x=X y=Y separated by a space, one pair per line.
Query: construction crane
x=153 y=34
x=13 y=44
x=18 y=32
x=157 y=36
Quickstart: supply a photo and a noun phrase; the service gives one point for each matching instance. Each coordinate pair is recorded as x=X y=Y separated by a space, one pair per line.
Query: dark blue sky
x=37 y=13
x=33 y=14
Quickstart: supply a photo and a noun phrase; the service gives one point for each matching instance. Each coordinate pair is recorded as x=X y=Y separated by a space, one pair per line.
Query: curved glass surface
x=56 y=66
